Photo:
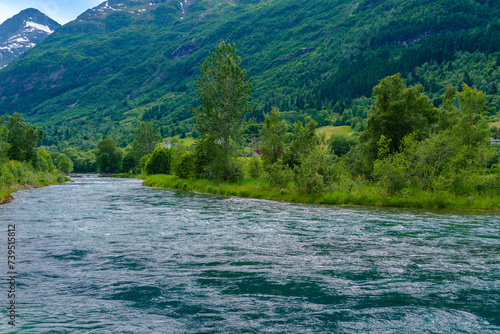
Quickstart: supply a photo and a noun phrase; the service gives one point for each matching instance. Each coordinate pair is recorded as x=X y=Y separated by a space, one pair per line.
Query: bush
x=211 y=163
x=308 y=181
x=159 y=162
x=186 y=166
x=44 y=161
x=142 y=163
x=391 y=173
x=472 y=182
x=278 y=175
x=232 y=171
x=315 y=173
x=7 y=178
x=440 y=162
x=485 y=184
x=65 y=165
x=206 y=154
x=15 y=172
x=254 y=168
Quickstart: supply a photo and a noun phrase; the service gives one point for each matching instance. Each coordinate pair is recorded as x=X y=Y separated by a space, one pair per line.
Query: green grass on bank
x=368 y=195
x=130 y=176
x=15 y=176
x=6 y=191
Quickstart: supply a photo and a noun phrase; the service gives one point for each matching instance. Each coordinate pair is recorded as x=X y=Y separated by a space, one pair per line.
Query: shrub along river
x=111 y=256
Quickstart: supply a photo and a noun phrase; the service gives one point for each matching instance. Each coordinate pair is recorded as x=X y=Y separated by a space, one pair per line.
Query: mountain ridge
x=22 y=32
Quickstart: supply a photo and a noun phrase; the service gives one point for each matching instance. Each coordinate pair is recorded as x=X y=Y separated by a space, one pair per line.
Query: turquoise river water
x=110 y=256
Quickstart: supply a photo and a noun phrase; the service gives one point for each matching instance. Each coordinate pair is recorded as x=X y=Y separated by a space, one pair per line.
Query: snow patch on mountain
x=106 y=7
x=22 y=32
x=39 y=27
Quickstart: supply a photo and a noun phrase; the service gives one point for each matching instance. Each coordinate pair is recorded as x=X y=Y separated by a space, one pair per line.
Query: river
x=102 y=255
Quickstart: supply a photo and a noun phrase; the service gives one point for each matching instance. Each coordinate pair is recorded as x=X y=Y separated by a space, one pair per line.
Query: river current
x=104 y=255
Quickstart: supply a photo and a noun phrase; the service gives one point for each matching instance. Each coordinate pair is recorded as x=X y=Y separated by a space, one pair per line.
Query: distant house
x=494 y=141
x=253 y=147
x=171 y=143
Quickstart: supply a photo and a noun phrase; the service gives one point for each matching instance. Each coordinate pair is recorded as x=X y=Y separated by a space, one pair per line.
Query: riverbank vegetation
x=406 y=147
x=22 y=164
x=410 y=153
x=354 y=193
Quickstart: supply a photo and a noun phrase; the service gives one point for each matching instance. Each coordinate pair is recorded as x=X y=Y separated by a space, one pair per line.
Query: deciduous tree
x=224 y=95
x=4 y=146
x=473 y=105
x=273 y=137
x=159 y=162
x=398 y=111
x=23 y=139
x=146 y=138
x=108 y=156
x=65 y=164
x=304 y=141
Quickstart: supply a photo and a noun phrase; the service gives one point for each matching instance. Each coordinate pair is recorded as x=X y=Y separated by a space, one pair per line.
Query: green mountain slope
x=124 y=61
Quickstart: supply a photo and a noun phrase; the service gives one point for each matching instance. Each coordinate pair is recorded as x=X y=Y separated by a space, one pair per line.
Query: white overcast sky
x=62 y=11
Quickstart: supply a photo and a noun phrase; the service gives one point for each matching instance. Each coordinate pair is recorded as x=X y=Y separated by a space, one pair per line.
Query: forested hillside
x=127 y=61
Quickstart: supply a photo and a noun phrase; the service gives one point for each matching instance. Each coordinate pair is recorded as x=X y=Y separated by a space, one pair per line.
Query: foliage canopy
x=224 y=100
x=398 y=111
x=108 y=156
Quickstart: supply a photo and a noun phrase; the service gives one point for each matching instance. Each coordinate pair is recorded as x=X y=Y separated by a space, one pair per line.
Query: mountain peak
x=126 y=6
x=23 y=31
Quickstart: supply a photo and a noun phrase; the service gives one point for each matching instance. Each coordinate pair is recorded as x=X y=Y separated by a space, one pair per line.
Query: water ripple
x=111 y=256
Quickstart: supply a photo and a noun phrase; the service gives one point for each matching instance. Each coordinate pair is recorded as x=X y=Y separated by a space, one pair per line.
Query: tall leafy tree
x=304 y=141
x=224 y=95
x=23 y=139
x=44 y=161
x=129 y=162
x=398 y=111
x=341 y=145
x=4 y=146
x=447 y=112
x=146 y=138
x=108 y=156
x=160 y=161
x=65 y=164
x=273 y=137
x=473 y=105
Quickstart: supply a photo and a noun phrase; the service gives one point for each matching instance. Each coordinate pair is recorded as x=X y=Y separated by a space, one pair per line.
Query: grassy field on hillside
x=329 y=130
x=497 y=124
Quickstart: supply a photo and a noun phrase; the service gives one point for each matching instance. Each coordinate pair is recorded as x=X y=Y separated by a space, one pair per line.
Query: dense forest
x=102 y=74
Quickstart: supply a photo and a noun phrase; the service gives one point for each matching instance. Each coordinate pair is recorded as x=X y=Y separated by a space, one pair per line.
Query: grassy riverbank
x=369 y=195
x=22 y=179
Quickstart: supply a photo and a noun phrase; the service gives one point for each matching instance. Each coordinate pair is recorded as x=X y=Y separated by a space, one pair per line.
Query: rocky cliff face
x=22 y=32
